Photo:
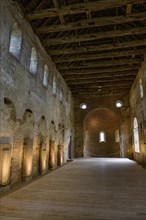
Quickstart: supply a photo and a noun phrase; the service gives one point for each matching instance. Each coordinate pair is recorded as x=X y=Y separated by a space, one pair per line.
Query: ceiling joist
x=131 y=53
x=94 y=22
x=80 y=8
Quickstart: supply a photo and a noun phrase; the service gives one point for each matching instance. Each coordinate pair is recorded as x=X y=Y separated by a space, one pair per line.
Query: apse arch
x=97 y=120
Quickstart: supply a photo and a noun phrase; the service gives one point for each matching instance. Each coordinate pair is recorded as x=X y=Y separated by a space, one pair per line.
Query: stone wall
x=138 y=111
x=31 y=117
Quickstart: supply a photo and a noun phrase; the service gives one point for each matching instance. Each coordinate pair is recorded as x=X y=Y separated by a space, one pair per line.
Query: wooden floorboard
x=85 y=189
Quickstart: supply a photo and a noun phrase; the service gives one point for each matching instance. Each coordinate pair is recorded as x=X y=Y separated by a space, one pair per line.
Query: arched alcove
x=52 y=145
x=27 y=150
x=41 y=151
x=99 y=134
x=7 y=121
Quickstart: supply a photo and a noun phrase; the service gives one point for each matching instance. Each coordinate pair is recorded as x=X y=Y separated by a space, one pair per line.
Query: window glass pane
x=102 y=136
x=54 y=86
x=33 y=61
x=15 y=40
x=45 y=78
x=141 y=88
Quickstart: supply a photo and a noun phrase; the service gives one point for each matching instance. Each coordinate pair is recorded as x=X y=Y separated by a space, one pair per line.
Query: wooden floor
x=85 y=189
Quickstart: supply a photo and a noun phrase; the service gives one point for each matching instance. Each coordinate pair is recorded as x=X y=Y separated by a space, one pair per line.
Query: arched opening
x=27 y=152
x=60 y=155
x=7 y=121
x=136 y=135
x=52 y=154
x=99 y=134
x=52 y=146
x=117 y=136
x=141 y=88
x=42 y=147
x=33 y=61
x=54 y=86
x=61 y=95
x=15 y=40
x=46 y=75
x=102 y=136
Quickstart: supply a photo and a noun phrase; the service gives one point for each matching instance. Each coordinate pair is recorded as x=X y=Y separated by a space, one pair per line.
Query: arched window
x=33 y=61
x=117 y=136
x=15 y=40
x=136 y=135
x=61 y=95
x=141 y=88
x=45 y=77
x=54 y=86
x=101 y=136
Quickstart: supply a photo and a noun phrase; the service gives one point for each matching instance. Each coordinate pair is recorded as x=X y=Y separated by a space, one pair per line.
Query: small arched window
x=141 y=88
x=117 y=136
x=33 y=61
x=45 y=77
x=61 y=95
x=101 y=136
x=54 y=86
x=136 y=135
x=15 y=40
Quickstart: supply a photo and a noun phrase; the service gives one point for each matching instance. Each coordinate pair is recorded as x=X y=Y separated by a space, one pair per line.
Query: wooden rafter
x=94 y=22
x=95 y=36
x=99 y=47
x=55 y=2
x=105 y=76
x=103 y=64
x=87 y=73
x=80 y=8
x=101 y=56
x=91 y=81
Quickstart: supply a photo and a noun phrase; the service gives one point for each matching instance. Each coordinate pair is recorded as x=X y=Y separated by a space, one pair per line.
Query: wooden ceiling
x=97 y=46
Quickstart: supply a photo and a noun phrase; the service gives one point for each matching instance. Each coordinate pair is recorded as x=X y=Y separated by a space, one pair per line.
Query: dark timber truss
x=97 y=45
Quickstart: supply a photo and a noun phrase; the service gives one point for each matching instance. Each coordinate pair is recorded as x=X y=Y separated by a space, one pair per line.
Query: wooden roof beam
x=98 y=71
x=55 y=2
x=105 y=76
x=128 y=9
x=112 y=80
x=94 y=36
x=130 y=53
x=106 y=86
x=80 y=8
x=92 y=86
x=99 y=94
x=128 y=62
x=75 y=94
x=94 y=22
x=86 y=49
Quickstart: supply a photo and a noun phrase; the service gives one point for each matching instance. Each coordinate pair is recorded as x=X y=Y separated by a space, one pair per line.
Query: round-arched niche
x=105 y=120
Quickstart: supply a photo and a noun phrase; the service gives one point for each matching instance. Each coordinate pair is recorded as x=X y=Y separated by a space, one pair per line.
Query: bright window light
x=102 y=136
x=119 y=104
x=83 y=106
